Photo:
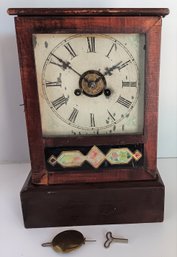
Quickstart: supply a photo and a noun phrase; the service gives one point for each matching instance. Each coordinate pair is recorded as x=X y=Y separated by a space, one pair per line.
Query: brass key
x=110 y=239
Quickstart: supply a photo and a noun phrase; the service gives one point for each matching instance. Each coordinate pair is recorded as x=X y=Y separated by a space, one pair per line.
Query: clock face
x=90 y=83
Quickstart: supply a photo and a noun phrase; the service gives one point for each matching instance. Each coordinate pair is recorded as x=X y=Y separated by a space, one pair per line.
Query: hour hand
x=108 y=71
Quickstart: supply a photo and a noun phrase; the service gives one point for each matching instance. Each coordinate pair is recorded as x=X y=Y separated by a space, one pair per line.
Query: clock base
x=92 y=204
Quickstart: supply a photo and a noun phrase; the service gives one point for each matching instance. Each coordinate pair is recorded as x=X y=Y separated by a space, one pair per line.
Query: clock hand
x=66 y=65
x=108 y=71
x=98 y=79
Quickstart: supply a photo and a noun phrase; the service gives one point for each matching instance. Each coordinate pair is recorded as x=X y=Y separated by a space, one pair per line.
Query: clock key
x=110 y=239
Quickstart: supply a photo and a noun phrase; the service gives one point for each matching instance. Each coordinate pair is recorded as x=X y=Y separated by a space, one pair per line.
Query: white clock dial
x=90 y=83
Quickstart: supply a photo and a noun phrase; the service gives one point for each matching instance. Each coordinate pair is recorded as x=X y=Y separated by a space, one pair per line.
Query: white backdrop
x=13 y=142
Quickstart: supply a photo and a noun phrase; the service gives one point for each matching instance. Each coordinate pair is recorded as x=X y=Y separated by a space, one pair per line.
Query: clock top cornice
x=89 y=11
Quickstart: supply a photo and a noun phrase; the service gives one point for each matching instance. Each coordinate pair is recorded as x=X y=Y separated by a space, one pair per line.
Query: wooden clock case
x=122 y=196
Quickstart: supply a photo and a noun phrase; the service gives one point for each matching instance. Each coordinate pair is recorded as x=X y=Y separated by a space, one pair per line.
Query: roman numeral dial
x=92 y=120
x=57 y=103
x=124 y=102
x=111 y=50
x=69 y=48
x=129 y=83
x=91 y=44
x=73 y=115
x=90 y=84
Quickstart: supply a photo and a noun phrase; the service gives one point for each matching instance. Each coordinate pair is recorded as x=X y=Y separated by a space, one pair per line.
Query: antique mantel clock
x=90 y=86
